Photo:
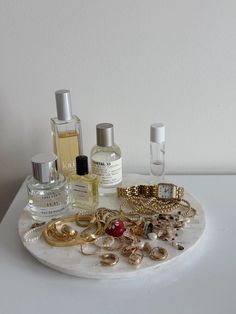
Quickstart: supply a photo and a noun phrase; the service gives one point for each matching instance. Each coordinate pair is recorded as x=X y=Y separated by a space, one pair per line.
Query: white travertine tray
x=70 y=260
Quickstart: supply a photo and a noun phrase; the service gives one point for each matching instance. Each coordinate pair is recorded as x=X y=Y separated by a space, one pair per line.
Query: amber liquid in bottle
x=67 y=147
x=66 y=144
x=66 y=131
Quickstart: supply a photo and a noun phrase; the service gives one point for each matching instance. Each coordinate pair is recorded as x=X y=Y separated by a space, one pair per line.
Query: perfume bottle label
x=46 y=212
x=81 y=191
x=110 y=173
x=51 y=198
x=48 y=200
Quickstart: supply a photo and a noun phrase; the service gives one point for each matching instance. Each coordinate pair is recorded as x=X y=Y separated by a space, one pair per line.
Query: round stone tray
x=71 y=261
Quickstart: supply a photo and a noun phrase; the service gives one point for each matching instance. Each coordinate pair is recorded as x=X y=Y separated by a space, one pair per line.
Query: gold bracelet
x=57 y=233
x=146 y=200
x=158 y=191
x=152 y=206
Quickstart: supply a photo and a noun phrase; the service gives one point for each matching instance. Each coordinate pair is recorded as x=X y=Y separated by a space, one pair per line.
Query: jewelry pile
x=128 y=233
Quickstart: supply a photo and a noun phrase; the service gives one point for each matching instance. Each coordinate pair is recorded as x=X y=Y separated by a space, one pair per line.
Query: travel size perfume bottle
x=48 y=191
x=66 y=131
x=157 y=150
x=84 y=187
x=106 y=159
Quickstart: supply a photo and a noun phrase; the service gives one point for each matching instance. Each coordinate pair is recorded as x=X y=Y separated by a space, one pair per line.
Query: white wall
x=129 y=62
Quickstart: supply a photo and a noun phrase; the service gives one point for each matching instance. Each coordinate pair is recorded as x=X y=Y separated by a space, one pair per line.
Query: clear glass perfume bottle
x=157 y=151
x=84 y=187
x=48 y=191
x=67 y=133
x=106 y=159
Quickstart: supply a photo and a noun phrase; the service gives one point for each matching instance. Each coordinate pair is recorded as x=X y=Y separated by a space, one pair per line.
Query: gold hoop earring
x=109 y=259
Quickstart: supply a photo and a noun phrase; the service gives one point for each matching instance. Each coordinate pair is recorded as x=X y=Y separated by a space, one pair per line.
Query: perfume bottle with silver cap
x=67 y=133
x=48 y=191
x=157 y=150
x=106 y=161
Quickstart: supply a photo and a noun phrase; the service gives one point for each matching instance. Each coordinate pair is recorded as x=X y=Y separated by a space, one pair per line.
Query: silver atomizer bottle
x=157 y=150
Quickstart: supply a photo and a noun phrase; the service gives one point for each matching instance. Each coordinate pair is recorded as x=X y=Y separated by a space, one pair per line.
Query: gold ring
x=136 y=257
x=127 y=250
x=147 y=248
x=114 y=247
x=83 y=220
x=104 y=241
x=88 y=254
x=109 y=259
x=158 y=253
x=67 y=230
x=91 y=236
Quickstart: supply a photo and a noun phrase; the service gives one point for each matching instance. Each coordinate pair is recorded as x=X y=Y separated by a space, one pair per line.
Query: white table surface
x=203 y=281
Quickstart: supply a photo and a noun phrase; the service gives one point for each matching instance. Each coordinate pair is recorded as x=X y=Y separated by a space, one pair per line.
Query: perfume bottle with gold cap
x=67 y=133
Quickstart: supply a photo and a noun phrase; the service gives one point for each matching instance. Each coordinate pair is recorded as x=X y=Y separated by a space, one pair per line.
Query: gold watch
x=166 y=191
x=162 y=191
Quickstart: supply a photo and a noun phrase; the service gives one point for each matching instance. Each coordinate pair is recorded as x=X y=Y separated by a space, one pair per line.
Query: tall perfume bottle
x=66 y=131
x=48 y=191
x=106 y=159
x=84 y=187
x=157 y=151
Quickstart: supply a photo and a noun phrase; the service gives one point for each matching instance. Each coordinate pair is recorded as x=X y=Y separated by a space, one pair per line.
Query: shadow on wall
x=8 y=191
x=16 y=149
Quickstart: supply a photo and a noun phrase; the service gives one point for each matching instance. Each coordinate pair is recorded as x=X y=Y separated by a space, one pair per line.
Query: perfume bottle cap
x=157 y=133
x=105 y=134
x=82 y=165
x=44 y=167
x=63 y=101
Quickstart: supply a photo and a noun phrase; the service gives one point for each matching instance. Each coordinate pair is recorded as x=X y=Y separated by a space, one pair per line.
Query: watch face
x=165 y=190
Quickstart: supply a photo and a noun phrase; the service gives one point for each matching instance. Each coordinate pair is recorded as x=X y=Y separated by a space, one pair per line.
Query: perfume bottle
x=84 y=187
x=67 y=133
x=106 y=159
x=157 y=150
x=48 y=191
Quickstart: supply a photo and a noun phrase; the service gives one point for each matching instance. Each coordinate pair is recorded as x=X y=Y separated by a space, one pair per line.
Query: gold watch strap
x=145 y=191
x=179 y=192
x=138 y=190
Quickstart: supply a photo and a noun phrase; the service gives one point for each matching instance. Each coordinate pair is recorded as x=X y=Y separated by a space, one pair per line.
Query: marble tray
x=70 y=260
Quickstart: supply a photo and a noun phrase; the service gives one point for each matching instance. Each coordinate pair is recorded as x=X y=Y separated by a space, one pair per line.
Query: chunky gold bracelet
x=148 y=200
x=58 y=233
x=148 y=191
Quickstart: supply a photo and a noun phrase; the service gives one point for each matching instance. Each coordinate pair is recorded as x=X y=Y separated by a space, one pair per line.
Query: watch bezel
x=174 y=191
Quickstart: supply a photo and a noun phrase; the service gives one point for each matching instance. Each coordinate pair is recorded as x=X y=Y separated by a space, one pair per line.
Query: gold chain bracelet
x=146 y=200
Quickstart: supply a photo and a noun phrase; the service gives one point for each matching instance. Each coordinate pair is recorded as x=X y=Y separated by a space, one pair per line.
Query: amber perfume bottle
x=84 y=187
x=67 y=134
